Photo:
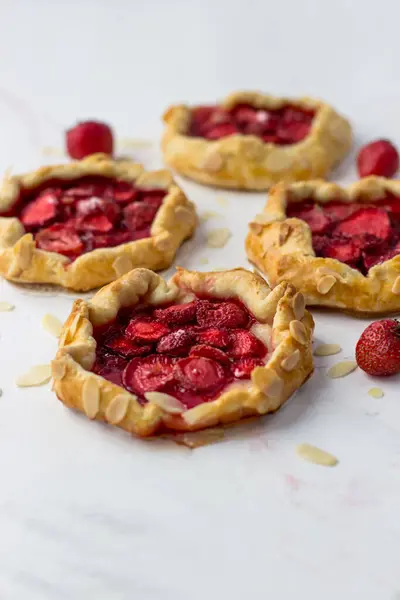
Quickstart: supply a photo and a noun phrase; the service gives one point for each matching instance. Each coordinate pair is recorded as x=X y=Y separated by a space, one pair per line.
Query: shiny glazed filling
x=360 y=235
x=74 y=217
x=191 y=351
x=287 y=125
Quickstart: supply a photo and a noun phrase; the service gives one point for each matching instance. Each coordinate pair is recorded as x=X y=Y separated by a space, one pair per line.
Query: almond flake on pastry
x=202 y=350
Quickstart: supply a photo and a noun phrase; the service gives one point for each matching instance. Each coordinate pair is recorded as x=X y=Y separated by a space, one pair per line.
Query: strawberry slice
x=110 y=367
x=270 y=138
x=176 y=343
x=179 y=314
x=98 y=223
x=127 y=348
x=311 y=213
x=243 y=367
x=296 y=115
x=109 y=240
x=213 y=337
x=210 y=352
x=148 y=374
x=221 y=314
x=124 y=192
x=97 y=206
x=153 y=199
x=200 y=374
x=338 y=211
x=344 y=249
x=60 y=238
x=371 y=220
x=84 y=190
x=143 y=330
x=200 y=119
x=244 y=114
x=139 y=215
x=292 y=133
x=40 y=212
x=219 y=131
x=372 y=257
x=243 y=343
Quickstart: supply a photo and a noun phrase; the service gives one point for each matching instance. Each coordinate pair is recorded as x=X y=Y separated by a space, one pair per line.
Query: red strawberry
x=139 y=215
x=128 y=349
x=344 y=249
x=88 y=138
x=143 y=330
x=148 y=374
x=84 y=190
x=179 y=314
x=40 y=212
x=311 y=213
x=270 y=138
x=243 y=367
x=124 y=192
x=213 y=337
x=338 y=211
x=244 y=114
x=210 y=352
x=371 y=220
x=60 y=238
x=110 y=367
x=378 y=158
x=176 y=343
x=379 y=255
x=243 y=343
x=97 y=206
x=220 y=131
x=109 y=240
x=292 y=133
x=199 y=374
x=221 y=314
x=378 y=349
x=99 y=223
x=296 y=115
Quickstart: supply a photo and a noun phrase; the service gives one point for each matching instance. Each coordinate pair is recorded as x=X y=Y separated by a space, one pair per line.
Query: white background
x=86 y=511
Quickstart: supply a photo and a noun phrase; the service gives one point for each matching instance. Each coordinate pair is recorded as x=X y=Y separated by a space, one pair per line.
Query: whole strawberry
x=88 y=138
x=378 y=349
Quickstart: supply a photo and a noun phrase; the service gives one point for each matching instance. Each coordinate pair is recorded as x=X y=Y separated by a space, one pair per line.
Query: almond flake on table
x=209 y=214
x=6 y=307
x=218 y=238
x=37 y=375
x=196 y=439
x=52 y=325
x=51 y=151
x=203 y=261
x=316 y=455
x=126 y=143
x=342 y=369
x=376 y=392
x=327 y=349
x=222 y=201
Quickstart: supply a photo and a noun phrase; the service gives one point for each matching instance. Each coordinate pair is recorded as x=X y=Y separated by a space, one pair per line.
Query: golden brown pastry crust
x=22 y=261
x=282 y=249
x=245 y=161
x=289 y=365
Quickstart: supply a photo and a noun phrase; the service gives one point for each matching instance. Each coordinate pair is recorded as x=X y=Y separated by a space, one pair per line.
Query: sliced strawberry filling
x=74 y=217
x=287 y=125
x=360 y=235
x=191 y=351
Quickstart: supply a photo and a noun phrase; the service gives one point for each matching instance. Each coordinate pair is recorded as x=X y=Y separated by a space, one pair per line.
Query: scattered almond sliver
x=166 y=402
x=203 y=261
x=217 y=238
x=316 y=455
x=327 y=349
x=342 y=369
x=6 y=307
x=376 y=392
x=209 y=214
x=52 y=325
x=126 y=143
x=222 y=201
x=195 y=439
x=38 y=375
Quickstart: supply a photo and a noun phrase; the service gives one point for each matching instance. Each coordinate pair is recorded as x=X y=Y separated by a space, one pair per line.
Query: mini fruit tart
x=251 y=141
x=85 y=223
x=339 y=246
x=205 y=348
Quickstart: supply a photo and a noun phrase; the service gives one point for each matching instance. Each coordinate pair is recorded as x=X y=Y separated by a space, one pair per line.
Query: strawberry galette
x=83 y=224
x=252 y=141
x=340 y=247
x=203 y=349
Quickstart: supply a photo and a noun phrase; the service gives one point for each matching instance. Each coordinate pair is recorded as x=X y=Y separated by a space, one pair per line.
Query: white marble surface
x=87 y=512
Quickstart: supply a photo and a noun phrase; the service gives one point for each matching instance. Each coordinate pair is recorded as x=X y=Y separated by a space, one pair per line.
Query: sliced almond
x=195 y=439
x=342 y=369
x=376 y=392
x=217 y=238
x=327 y=349
x=284 y=233
x=316 y=455
x=58 y=369
x=52 y=325
x=212 y=162
x=396 y=286
x=299 y=306
x=91 y=397
x=166 y=402
x=127 y=143
x=117 y=409
x=72 y=329
x=289 y=363
x=326 y=283
x=122 y=265
x=25 y=255
x=6 y=307
x=321 y=271
x=222 y=201
x=209 y=214
x=298 y=332
x=38 y=375
x=203 y=261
